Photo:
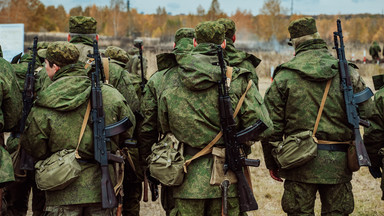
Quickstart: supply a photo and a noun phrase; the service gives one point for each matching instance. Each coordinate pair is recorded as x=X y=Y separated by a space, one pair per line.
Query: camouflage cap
x=42 y=45
x=210 y=32
x=230 y=27
x=82 y=25
x=117 y=54
x=184 y=33
x=61 y=53
x=302 y=26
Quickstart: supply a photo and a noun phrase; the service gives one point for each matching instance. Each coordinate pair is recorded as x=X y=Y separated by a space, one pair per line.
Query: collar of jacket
x=310 y=45
x=80 y=39
x=76 y=69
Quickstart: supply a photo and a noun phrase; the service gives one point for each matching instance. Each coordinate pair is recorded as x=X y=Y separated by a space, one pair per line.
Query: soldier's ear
x=194 y=42
x=69 y=37
x=234 y=38
x=174 y=45
x=224 y=44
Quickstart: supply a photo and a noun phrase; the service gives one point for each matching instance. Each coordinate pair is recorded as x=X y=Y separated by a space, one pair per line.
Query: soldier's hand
x=375 y=172
x=275 y=175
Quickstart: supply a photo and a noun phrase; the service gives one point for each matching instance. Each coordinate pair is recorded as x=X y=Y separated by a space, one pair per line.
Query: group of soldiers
x=181 y=100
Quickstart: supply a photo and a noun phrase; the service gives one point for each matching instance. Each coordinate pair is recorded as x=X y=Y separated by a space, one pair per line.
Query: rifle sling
x=83 y=126
x=319 y=116
x=208 y=149
x=105 y=62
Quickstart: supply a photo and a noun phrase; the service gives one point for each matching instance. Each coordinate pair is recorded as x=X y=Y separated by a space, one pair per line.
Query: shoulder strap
x=86 y=116
x=105 y=62
x=321 y=109
x=208 y=149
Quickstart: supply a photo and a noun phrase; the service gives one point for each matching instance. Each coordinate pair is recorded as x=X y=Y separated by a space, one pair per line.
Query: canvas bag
x=61 y=168
x=297 y=149
x=166 y=161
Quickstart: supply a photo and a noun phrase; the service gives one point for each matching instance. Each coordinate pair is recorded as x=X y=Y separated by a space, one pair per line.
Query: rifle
x=139 y=44
x=234 y=159
x=101 y=133
x=352 y=100
x=26 y=161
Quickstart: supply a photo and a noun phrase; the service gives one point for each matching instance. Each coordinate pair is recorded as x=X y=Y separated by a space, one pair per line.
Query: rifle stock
x=351 y=100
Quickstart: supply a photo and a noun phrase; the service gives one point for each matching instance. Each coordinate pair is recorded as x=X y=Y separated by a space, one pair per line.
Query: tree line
x=119 y=20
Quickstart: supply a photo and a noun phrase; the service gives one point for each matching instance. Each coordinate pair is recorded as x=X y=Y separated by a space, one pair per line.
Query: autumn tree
x=272 y=20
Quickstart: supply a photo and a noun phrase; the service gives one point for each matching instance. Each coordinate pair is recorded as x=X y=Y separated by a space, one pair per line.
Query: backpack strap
x=208 y=149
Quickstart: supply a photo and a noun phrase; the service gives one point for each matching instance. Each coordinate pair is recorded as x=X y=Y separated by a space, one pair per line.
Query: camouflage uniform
x=236 y=57
x=134 y=68
x=374 y=51
x=166 y=63
x=192 y=88
x=119 y=78
x=54 y=124
x=293 y=101
x=374 y=139
x=82 y=31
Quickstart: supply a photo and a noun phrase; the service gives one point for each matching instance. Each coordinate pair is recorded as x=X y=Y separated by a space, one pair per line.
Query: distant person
x=238 y=58
x=82 y=32
x=374 y=51
x=293 y=101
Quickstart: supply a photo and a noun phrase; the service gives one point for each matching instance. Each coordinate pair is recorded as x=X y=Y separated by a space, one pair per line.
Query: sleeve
x=374 y=135
x=275 y=105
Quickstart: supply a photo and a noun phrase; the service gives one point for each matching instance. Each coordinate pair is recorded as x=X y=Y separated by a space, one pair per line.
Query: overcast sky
x=308 y=7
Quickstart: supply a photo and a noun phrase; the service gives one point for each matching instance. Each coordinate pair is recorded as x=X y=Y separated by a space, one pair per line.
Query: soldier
x=17 y=194
x=374 y=51
x=166 y=63
x=119 y=78
x=134 y=68
x=236 y=57
x=192 y=88
x=82 y=32
x=373 y=135
x=10 y=114
x=293 y=102
x=54 y=124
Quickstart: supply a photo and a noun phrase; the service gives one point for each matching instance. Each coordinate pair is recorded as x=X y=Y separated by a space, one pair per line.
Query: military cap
x=184 y=33
x=210 y=32
x=82 y=25
x=61 y=53
x=42 y=45
x=117 y=54
x=230 y=27
x=301 y=27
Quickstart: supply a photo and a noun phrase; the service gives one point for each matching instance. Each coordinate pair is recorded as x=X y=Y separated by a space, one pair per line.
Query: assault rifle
x=101 y=133
x=233 y=140
x=139 y=44
x=26 y=161
x=352 y=100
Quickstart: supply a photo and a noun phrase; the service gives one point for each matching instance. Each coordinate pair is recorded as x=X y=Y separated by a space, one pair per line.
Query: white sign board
x=11 y=40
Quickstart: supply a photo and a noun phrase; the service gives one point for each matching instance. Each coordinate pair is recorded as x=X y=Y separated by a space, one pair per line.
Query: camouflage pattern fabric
x=54 y=124
x=62 y=53
x=10 y=99
x=300 y=83
x=6 y=168
x=199 y=207
x=241 y=59
x=299 y=198
x=75 y=210
x=301 y=27
x=190 y=87
x=117 y=54
x=373 y=135
x=183 y=33
x=134 y=65
x=84 y=45
x=374 y=50
x=82 y=25
x=210 y=32
x=230 y=27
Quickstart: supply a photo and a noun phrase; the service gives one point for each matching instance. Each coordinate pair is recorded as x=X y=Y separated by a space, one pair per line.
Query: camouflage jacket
x=188 y=108
x=21 y=70
x=374 y=50
x=293 y=101
x=84 y=45
x=54 y=124
x=119 y=78
x=10 y=113
x=242 y=59
x=374 y=135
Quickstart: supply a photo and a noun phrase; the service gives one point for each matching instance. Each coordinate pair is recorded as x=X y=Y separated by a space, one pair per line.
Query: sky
x=174 y=7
